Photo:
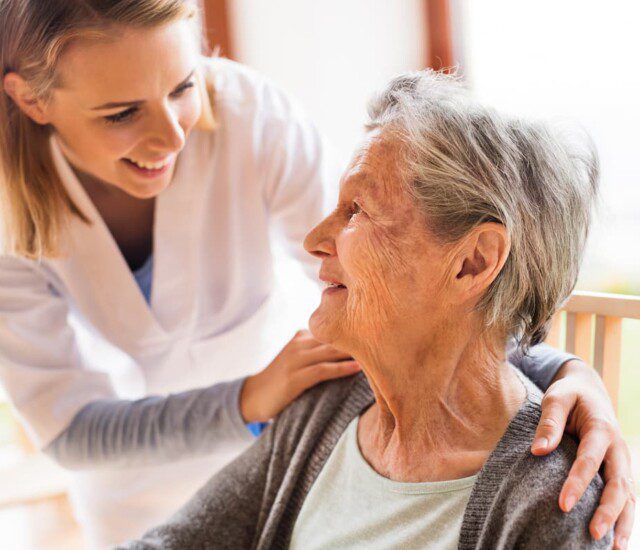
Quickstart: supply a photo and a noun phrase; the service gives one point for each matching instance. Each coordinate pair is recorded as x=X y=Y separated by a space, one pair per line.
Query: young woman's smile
x=151 y=170
x=124 y=108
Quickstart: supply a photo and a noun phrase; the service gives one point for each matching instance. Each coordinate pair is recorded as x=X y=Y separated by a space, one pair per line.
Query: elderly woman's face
x=385 y=270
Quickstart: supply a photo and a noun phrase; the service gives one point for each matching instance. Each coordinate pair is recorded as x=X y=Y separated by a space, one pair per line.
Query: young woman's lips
x=148 y=172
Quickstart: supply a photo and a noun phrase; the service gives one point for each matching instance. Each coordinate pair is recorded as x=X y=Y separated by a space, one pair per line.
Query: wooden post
x=582 y=347
x=217 y=27
x=570 y=333
x=553 y=338
x=439 y=54
x=611 y=355
x=598 y=348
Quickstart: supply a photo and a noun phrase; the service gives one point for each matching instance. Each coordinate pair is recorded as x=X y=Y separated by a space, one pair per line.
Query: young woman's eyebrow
x=134 y=102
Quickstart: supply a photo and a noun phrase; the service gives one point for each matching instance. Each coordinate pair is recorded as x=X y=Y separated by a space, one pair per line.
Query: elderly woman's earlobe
x=481 y=257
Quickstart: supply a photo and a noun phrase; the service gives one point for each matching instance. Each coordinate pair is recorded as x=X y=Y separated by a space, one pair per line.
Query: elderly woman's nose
x=319 y=241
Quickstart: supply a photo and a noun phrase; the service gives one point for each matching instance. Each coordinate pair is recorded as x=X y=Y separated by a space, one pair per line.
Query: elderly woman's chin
x=326 y=323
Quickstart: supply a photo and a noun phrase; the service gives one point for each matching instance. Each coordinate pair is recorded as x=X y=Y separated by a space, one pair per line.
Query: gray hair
x=466 y=164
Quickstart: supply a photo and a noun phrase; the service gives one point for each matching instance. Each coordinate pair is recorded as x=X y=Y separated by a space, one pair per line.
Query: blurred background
x=574 y=59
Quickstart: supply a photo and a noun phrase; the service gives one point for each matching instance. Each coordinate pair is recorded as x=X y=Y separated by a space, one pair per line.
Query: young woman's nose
x=320 y=241
x=167 y=132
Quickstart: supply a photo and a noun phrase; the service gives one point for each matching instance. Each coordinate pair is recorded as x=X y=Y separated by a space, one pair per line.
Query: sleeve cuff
x=540 y=364
x=551 y=368
x=232 y=406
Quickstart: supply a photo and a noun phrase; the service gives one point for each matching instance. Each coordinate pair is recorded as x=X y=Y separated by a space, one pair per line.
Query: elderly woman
x=456 y=228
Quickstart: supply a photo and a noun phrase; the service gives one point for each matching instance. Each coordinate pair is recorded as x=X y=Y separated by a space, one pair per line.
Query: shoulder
x=519 y=492
x=237 y=86
x=534 y=486
x=257 y=124
x=334 y=403
x=327 y=397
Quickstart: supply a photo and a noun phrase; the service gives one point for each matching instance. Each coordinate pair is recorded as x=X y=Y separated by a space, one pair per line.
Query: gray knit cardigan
x=253 y=503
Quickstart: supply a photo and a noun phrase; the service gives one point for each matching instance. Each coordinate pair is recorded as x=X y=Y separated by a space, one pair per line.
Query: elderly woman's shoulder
x=526 y=504
x=326 y=406
x=542 y=479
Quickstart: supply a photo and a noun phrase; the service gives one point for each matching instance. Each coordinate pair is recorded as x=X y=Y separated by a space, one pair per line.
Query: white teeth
x=332 y=285
x=152 y=165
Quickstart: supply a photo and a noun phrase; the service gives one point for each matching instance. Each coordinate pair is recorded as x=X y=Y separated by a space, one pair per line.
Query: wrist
x=577 y=367
x=247 y=400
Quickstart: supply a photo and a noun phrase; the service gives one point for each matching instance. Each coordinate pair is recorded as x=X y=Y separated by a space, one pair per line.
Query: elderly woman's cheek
x=374 y=265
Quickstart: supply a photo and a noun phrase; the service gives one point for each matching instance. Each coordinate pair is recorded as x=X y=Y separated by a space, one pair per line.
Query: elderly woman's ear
x=479 y=258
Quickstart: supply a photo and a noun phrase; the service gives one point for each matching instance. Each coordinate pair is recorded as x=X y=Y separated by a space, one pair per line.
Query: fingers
x=591 y=452
x=614 y=497
x=625 y=524
x=303 y=339
x=323 y=354
x=555 y=411
x=321 y=372
x=617 y=497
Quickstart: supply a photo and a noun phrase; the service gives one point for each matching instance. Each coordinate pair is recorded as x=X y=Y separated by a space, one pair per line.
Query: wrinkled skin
x=378 y=246
x=382 y=255
x=404 y=309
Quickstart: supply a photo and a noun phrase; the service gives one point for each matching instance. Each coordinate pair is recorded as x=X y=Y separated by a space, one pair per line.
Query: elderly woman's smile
x=383 y=266
x=456 y=229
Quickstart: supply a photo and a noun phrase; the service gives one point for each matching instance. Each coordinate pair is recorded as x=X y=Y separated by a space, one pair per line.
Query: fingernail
x=622 y=544
x=540 y=444
x=569 y=502
x=601 y=529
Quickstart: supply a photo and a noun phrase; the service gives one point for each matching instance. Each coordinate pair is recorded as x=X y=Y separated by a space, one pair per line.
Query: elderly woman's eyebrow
x=359 y=187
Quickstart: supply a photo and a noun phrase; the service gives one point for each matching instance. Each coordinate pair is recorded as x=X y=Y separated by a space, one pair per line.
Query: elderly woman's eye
x=355 y=209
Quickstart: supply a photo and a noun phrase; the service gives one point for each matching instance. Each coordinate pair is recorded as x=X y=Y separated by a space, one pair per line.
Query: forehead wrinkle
x=385 y=157
x=373 y=176
x=369 y=173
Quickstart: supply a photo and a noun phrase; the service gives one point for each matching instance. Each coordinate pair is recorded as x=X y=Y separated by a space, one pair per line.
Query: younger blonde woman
x=140 y=185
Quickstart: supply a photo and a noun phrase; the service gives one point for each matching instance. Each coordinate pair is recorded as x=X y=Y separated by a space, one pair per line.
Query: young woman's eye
x=122 y=116
x=182 y=89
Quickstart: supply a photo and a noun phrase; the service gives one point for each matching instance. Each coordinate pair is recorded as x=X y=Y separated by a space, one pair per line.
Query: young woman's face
x=123 y=109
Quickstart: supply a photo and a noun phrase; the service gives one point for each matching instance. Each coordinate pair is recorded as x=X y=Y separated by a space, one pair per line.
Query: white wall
x=575 y=59
x=330 y=54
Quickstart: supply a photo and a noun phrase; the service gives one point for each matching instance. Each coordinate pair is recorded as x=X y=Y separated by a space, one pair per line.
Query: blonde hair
x=35 y=203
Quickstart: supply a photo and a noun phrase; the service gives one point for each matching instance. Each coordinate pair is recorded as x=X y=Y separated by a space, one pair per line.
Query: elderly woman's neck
x=440 y=410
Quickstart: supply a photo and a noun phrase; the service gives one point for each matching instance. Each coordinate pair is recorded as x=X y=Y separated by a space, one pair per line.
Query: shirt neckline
x=399 y=487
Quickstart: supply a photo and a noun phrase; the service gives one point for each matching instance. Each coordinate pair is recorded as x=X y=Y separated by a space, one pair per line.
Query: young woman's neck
x=129 y=219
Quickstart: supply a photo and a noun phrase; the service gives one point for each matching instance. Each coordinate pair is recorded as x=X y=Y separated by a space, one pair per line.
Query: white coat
x=77 y=328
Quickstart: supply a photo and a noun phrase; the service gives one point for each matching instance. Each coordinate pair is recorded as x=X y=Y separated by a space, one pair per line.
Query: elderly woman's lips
x=333 y=287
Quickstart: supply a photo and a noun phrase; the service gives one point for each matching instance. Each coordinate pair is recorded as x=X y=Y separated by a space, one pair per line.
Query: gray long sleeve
x=540 y=364
x=153 y=430
x=113 y=433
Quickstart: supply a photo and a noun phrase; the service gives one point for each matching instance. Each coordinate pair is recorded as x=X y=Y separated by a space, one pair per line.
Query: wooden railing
x=591 y=323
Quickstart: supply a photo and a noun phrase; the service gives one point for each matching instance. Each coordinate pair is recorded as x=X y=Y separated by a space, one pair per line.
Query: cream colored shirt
x=352 y=506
